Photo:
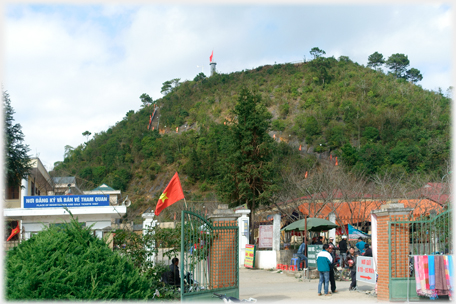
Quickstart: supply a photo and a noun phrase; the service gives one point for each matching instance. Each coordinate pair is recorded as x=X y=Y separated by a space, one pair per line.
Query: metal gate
x=209 y=260
x=430 y=235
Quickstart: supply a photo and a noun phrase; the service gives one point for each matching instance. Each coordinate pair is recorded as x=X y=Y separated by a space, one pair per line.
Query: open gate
x=430 y=236
x=209 y=260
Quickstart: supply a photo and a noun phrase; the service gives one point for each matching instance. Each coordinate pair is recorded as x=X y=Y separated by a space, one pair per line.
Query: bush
x=67 y=262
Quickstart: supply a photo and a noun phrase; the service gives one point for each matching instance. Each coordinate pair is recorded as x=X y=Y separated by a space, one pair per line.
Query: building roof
x=64 y=180
x=103 y=187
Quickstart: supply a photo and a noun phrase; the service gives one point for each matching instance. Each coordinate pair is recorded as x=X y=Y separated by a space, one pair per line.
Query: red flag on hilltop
x=337 y=163
x=14 y=232
x=172 y=193
x=299 y=147
x=210 y=58
x=305 y=175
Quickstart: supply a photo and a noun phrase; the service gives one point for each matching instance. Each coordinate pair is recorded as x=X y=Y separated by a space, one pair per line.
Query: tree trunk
x=252 y=226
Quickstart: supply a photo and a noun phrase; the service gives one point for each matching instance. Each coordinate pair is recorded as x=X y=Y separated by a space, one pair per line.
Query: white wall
x=265 y=259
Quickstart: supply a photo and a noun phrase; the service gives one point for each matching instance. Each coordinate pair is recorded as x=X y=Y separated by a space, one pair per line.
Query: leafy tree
x=246 y=174
x=86 y=134
x=17 y=160
x=375 y=60
x=398 y=64
x=414 y=75
x=145 y=99
x=316 y=52
x=167 y=87
x=199 y=77
x=67 y=262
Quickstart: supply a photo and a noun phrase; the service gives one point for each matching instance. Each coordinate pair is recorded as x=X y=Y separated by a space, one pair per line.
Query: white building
x=35 y=206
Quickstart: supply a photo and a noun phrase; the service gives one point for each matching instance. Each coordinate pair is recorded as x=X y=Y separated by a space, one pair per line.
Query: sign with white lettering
x=312 y=252
x=265 y=236
x=365 y=270
x=69 y=201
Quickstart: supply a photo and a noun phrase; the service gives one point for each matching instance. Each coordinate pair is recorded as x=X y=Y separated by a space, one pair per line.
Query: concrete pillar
x=243 y=224
x=332 y=232
x=276 y=232
x=24 y=191
x=149 y=223
x=390 y=212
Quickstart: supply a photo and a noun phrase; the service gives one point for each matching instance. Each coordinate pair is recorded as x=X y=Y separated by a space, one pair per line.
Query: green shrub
x=67 y=262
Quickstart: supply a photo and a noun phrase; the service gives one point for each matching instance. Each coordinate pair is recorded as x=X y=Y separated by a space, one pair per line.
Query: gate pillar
x=390 y=212
x=224 y=269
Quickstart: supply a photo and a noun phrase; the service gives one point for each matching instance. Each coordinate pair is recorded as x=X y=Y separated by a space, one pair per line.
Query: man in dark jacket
x=343 y=250
x=173 y=274
x=367 y=251
x=332 y=280
x=351 y=260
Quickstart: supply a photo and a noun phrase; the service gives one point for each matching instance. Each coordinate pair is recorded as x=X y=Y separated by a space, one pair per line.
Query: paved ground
x=272 y=287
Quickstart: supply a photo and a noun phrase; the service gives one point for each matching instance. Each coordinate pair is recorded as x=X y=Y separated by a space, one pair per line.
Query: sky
x=72 y=68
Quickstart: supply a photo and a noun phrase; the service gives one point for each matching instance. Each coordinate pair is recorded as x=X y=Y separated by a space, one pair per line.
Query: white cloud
x=70 y=73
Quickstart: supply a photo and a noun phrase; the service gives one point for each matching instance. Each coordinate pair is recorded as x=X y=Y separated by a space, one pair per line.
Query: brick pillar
x=224 y=249
x=399 y=246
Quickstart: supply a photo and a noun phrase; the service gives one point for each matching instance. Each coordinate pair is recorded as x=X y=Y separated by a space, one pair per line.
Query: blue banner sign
x=69 y=201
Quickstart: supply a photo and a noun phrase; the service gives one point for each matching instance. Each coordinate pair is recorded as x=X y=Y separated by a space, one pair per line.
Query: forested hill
x=372 y=121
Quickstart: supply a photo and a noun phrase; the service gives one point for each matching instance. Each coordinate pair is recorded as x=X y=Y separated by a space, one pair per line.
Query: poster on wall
x=249 y=261
x=265 y=236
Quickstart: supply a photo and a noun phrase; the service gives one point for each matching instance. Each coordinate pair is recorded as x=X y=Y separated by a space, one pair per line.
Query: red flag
x=273 y=136
x=177 y=129
x=14 y=232
x=299 y=147
x=330 y=157
x=210 y=58
x=172 y=193
x=305 y=176
x=337 y=163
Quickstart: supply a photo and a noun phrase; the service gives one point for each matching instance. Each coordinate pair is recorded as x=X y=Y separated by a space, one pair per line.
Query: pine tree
x=68 y=263
x=247 y=169
x=17 y=160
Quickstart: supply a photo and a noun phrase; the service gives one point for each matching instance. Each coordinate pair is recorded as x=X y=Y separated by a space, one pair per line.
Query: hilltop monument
x=212 y=64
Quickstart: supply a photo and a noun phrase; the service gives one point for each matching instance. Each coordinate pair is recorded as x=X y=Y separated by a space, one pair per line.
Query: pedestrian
x=368 y=251
x=173 y=274
x=332 y=280
x=331 y=241
x=351 y=261
x=360 y=245
x=343 y=249
x=324 y=261
x=320 y=241
x=301 y=254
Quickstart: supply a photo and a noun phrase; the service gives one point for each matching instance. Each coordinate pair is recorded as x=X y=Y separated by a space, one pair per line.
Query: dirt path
x=272 y=287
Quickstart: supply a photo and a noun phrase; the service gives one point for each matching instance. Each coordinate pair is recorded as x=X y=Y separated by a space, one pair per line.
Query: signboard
x=69 y=201
x=265 y=235
x=312 y=252
x=246 y=228
x=365 y=270
x=249 y=260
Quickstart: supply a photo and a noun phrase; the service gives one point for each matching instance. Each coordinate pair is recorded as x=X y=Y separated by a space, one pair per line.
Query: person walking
x=301 y=254
x=351 y=261
x=360 y=245
x=324 y=261
x=343 y=250
x=332 y=280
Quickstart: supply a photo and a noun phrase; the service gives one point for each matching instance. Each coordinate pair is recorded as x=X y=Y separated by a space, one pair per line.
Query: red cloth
x=210 y=58
x=172 y=193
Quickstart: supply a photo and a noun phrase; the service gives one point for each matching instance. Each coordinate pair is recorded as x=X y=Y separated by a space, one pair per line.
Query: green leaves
x=398 y=64
x=63 y=263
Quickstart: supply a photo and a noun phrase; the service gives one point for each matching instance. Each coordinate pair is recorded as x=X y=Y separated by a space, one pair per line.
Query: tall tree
x=145 y=99
x=246 y=174
x=375 y=60
x=414 y=75
x=17 y=160
x=316 y=52
x=398 y=64
x=87 y=134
